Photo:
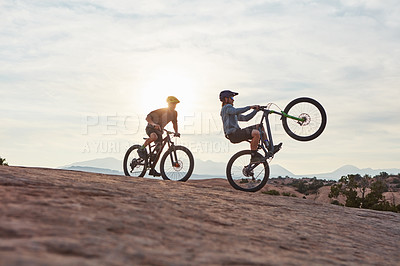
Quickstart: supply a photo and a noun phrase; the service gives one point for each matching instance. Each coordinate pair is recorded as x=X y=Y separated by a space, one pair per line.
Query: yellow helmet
x=172 y=99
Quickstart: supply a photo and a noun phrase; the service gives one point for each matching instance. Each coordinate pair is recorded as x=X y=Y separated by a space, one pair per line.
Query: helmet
x=226 y=94
x=172 y=99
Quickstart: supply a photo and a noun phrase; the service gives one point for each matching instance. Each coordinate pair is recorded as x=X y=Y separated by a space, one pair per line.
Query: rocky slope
x=58 y=217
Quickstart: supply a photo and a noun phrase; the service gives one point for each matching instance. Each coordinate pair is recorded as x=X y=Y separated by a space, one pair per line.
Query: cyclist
x=230 y=117
x=157 y=120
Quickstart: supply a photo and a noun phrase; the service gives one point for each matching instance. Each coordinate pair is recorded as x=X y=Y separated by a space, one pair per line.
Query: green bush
x=3 y=161
x=307 y=188
x=288 y=194
x=396 y=180
x=336 y=202
x=272 y=192
x=348 y=186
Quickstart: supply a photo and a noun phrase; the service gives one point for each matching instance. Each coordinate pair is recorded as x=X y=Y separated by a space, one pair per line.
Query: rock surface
x=58 y=217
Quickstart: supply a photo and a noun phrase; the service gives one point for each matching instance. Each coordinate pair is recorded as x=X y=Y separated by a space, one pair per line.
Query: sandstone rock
x=58 y=217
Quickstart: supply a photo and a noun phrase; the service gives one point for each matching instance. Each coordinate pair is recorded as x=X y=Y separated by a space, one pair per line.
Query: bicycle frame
x=164 y=141
x=269 y=152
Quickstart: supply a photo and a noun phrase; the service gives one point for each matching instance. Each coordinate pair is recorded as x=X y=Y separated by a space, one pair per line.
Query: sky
x=78 y=77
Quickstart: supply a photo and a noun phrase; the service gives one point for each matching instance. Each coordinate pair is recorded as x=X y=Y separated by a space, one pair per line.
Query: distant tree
x=364 y=184
x=315 y=185
x=302 y=186
x=383 y=175
x=375 y=197
x=347 y=186
x=3 y=161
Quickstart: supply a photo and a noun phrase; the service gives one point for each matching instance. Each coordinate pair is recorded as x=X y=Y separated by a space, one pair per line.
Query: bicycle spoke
x=133 y=165
x=313 y=115
x=179 y=170
x=245 y=176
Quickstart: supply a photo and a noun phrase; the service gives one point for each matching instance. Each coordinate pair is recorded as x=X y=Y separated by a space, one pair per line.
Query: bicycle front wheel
x=245 y=176
x=313 y=115
x=179 y=167
x=133 y=164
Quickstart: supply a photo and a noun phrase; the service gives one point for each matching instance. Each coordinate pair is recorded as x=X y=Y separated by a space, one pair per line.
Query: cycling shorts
x=150 y=129
x=242 y=134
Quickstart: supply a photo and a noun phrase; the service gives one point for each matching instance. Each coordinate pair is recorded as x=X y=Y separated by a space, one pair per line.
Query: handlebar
x=170 y=133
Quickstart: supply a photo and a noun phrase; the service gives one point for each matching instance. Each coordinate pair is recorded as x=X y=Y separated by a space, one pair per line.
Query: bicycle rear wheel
x=179 y=168
x=242 y=175
x=314 y=117
x=134 y=165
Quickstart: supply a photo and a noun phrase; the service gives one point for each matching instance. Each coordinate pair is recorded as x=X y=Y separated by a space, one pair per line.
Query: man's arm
x=230 y=110
x=249 y=116
x=175 y=124
x=149 y=119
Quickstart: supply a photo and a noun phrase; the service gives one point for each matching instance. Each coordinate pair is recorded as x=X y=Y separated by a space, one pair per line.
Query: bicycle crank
x=247 y=172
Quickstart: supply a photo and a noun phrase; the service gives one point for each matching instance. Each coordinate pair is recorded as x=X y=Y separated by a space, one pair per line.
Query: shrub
x=396 y=180
x=348 y=186
x=272 y=192
x=3 y=161
x=288 y=194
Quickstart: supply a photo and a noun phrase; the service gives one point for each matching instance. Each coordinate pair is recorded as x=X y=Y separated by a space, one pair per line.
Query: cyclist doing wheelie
x=230 y=117
x=157 y=120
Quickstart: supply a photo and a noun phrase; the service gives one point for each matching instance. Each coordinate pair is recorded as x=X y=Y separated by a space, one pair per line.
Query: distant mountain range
x=211 y=169
x=93 y=170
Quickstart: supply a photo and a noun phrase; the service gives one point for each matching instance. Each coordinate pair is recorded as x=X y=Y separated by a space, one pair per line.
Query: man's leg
x=255 y=157
x=264 y=138
x=256 y=138
x=153 y=137
x=142 y=150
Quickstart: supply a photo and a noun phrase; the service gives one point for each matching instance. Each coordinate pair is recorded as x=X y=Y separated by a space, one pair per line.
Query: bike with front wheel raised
x=303 y=119
x=176 y=164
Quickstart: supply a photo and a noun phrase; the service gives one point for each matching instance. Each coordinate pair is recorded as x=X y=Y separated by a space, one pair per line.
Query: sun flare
x=169 y=82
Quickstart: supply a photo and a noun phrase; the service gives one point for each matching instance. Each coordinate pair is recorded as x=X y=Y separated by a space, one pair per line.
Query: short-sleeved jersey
x=163 y=116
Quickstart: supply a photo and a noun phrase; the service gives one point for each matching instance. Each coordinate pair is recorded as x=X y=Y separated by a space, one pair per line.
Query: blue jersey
x=231 y=115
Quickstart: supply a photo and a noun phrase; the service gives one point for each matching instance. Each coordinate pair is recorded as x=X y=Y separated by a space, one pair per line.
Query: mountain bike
x=303 y=119
x=176 y=164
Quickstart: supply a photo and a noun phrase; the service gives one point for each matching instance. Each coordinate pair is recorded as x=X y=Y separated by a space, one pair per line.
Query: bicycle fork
x=270 y=145
x=173 y=156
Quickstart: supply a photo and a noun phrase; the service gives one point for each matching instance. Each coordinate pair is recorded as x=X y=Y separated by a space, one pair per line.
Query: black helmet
x=226 y=94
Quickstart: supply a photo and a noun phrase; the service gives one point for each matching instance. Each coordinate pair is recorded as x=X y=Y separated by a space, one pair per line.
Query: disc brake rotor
x=306 y=118
x=178 y=165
